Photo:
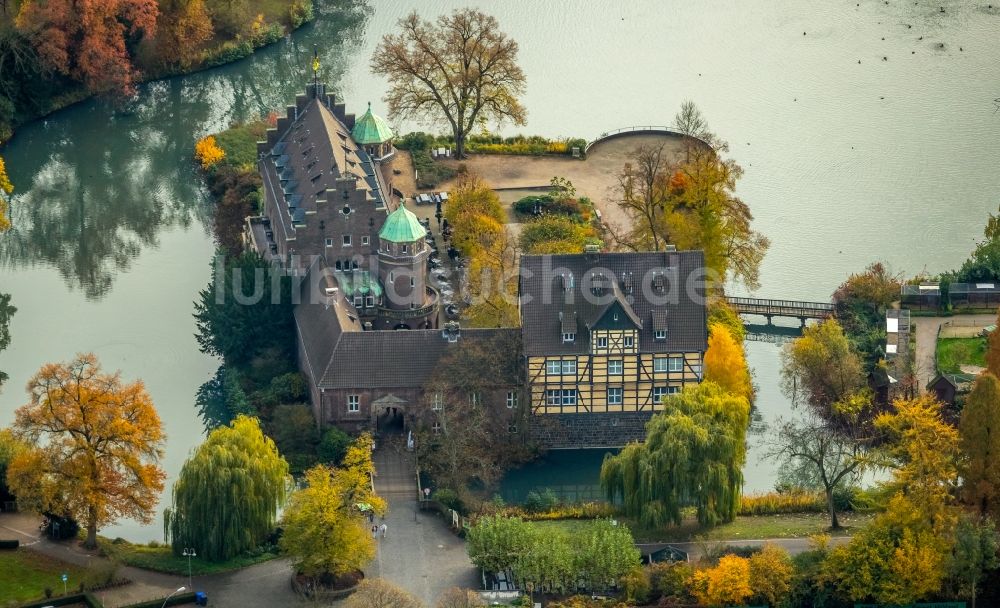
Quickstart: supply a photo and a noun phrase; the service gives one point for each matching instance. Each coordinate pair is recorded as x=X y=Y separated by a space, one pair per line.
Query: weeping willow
x=693 y=455
x=228 y=494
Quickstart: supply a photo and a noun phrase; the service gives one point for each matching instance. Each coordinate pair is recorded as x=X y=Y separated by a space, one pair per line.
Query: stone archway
x=389 y=415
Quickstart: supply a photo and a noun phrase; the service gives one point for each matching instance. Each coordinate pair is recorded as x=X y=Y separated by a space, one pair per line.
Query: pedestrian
x=384 y=528
x=374 y=531
x=371 y=517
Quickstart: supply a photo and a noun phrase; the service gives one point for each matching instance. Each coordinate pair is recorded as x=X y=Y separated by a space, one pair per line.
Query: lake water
x=846 y=162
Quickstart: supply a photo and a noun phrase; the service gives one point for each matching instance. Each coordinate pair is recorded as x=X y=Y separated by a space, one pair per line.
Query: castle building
x=603 y=337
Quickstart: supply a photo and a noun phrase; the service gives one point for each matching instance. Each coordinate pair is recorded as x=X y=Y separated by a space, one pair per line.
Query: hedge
x=9 y=544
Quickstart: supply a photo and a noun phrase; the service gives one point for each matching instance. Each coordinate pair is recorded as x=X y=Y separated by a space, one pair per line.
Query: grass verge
x=954 y=352
x=791 y=525
x=24 y=575
x=161 y=558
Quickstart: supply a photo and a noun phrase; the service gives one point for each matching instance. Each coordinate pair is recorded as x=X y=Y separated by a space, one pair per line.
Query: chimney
x=670 y=248
x=591 y=252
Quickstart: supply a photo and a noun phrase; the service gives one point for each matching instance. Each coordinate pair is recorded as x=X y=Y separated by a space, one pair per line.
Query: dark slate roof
x=392 y=359
x=320 y=321
x=543 y=297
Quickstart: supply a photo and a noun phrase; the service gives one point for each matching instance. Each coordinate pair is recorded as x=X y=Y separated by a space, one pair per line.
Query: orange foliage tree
x=87 y=40
x=725 y=363
x=96 y=443
x=184 y=26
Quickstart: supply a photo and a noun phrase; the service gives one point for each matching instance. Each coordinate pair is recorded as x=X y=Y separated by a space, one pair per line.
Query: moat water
x=846 y=162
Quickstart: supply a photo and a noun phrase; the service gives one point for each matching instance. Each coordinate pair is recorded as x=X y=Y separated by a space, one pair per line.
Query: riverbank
x=271 y=21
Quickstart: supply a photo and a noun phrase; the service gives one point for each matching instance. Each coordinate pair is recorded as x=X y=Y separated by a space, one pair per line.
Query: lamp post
x=189 y=553
x=180 y=590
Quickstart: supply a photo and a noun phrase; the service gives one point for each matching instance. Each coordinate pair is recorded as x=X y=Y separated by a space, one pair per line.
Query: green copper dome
x=402 y=227
x=371 y=129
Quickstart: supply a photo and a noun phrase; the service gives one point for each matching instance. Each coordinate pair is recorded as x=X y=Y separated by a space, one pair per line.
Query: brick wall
x=555 y=431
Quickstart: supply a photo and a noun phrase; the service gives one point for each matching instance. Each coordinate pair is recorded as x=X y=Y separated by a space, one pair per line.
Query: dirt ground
x=594 y=177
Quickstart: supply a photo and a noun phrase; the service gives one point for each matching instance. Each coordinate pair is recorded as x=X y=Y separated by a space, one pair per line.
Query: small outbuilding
x=985 y=294
x=924 y=296
x=947 y=388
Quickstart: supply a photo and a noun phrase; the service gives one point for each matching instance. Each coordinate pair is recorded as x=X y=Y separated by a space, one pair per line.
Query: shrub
x=448 y=498
x=538 y=502
x=636 y=585
x=775 y=503
x=671 y=579
x=299 y=12
x=333 y=446
x=208 y=153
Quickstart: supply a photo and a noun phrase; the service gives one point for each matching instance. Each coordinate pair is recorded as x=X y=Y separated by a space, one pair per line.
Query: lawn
x=794 y=525
x=953 y=352
x=24 y=575
x=161 y=559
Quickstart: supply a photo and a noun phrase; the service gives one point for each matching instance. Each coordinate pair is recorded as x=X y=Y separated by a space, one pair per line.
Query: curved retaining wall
x=638 y=130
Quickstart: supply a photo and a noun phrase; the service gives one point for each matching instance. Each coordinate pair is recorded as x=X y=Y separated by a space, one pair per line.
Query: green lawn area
x=24 y=575
x=162 y=559
x=795 y=525
x=953 y=352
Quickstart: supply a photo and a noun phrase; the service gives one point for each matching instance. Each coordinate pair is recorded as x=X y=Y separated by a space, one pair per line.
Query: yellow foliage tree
x=771 y=573
x=96 y=443
x=6 y=188
x=725 y=362
x=208 y=153
x=324 y=532
x=475 y=215
x=726 y=583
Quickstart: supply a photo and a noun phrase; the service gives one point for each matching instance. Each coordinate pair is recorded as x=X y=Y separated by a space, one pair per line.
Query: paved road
x=927 y=330
x=419 y=554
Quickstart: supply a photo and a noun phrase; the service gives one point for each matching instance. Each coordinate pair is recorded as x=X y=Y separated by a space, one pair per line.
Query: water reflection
x=96 y=185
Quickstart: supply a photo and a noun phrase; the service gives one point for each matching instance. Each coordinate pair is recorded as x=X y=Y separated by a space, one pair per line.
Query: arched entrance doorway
x=389 y=415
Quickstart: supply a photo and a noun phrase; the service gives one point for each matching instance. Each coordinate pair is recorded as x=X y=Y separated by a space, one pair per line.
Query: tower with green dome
x=402 y=270
x=373 y=133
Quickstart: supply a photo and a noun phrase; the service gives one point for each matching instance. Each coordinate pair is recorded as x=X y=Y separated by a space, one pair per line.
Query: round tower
x=373 y=133
x=402 y=270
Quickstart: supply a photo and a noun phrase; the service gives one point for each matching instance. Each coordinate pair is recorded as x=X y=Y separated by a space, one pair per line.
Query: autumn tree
x=10 y=446
x=324 y=532
x=693 y=455
x=96 y=444
x=461 y=71
x=380 y=593
x=726 y=364
x=771 y=574
x=475 y=214
x=979 y=435
x=456 y=597
x=644 y=196
x=555 y=234
x=817 y=456
x=460 y=437
x=7 y=311
x=6 y=188
x=859 y=306
x=227 y=496
x=822 y=369
x=89 y=41
x=993 y=351
x=494 y=542
x=184 y=26
x=728 y=583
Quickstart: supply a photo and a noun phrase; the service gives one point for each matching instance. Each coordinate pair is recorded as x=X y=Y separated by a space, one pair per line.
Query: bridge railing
x=758 y=302
x=634 y=129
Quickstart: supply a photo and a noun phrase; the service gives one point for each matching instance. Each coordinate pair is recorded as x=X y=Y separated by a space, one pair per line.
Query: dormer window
x=568 y=337
x=660 y=334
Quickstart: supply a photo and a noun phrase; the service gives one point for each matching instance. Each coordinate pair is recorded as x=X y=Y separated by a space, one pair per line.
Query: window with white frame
x=659 y=364
x=660 y=334
x=658 y=393
x=347 y=240
x=329 y=242
x=553 y=396
x=436 y=427
x=614 y=396
x=553 y=367
x=511 y=399
x=358 y=301
x=364 y=240
x=615 y=367
x=569 y=337
x=353 y=403
x=437 y=403
x=569 y=366
x=673 y=390
x=512 y=428
x=403 y=249
x=369 y=301
x=602 y=342
x=569 y=396
x=675 y=364
x=629 y=341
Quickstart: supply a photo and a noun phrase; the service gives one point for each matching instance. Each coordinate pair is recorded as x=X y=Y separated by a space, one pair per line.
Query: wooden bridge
x=781 y=308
